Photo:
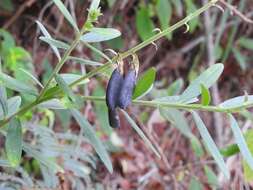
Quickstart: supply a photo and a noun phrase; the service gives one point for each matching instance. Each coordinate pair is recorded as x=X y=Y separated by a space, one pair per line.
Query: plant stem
x=21 y=111
x=182 y=106
x=59 y=65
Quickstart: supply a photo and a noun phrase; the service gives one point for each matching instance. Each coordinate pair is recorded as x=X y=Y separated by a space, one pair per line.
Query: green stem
x=182 y=106
x=23 y=110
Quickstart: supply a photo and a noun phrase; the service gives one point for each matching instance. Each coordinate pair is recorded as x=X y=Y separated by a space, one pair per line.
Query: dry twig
x=234 y=10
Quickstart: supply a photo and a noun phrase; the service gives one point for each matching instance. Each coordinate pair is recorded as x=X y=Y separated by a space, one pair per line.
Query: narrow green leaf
x=13 y=104
x=141 y=134
x=210 y=145
x=207 y=78
x=46 y=34
x=241 y=59
x=102 y=110
x=248 y=172
x=175 y=99
x=93 y=139
x=230 y=150
x=211 y=177
x=43 y=29
x=3 y=100
x=36 y=81
x=94 y=4
x=100 y=35
x=65 y=88
x=84 y=61
x=144 y=24
x=145 y=83
x=176 y=87
x=13 y=143
x=164 y=11
x=70 y=77
x=241 y=141
x=55 y=43
x=195 y=184
x=97 y=51
x=237 y=101
x=246 y=43
x=66 y=13
x=77 y=167
x=246 y=114
x=177 y=119
x=16 y=85
x=190 y=8
x=205 y=95
x=196 y=146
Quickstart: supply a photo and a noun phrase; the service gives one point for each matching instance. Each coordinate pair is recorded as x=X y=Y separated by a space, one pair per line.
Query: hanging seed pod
x=112 y=94
x=113 y=89
x=127 y=88
x=113 y=118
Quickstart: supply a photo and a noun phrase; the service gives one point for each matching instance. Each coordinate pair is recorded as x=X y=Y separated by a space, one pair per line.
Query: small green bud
x=94 y=14
x=88 y=25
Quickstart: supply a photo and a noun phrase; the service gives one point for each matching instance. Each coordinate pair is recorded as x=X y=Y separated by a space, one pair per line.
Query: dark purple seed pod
x=113 y=118
x=127 y=88
x=113 y=89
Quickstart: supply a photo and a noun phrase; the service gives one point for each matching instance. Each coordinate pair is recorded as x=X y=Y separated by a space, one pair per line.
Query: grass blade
x=54 y=42
x=141 y=134
x=93 y=139
x=241 y=141
x=46 y=34
x=210 y=145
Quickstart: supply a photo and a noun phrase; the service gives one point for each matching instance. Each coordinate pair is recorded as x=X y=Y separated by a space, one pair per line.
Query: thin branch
x=234 y=10
x=182 y=106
